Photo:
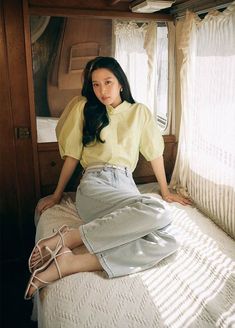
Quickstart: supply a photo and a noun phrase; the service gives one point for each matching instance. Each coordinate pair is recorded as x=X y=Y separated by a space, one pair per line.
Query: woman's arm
x=66 y=173
x=159 y=171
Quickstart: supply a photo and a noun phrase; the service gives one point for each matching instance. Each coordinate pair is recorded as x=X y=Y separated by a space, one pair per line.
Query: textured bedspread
x=194 y=287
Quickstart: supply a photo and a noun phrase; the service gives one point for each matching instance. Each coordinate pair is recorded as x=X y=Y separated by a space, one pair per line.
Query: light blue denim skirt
x=126 y=230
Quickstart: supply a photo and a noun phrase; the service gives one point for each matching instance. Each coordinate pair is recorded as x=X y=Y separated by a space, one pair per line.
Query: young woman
x=123 y=232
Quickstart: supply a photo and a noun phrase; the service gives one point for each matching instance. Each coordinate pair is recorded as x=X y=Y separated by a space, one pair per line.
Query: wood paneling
x=17 y=168
x=62 y=84
x=83 y=4
x=144 y=173
x=118 y=7
x=50 y=164
x=50 y=168
x=9 y=224
x=90 y=8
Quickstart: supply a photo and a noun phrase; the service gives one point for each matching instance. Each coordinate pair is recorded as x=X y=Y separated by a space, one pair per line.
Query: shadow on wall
x=59 y=57
x=43 y=53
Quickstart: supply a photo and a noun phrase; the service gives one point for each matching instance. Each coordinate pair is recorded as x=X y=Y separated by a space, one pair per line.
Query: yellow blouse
x=132 y=129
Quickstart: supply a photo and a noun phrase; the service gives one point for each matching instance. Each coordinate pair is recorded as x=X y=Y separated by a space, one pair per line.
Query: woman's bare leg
x=69 y=263
x=80 y=250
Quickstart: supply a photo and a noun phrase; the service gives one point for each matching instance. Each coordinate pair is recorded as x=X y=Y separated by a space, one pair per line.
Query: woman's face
x=106 y=87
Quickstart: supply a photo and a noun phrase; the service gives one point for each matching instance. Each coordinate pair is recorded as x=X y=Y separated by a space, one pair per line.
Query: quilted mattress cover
x=195 y=287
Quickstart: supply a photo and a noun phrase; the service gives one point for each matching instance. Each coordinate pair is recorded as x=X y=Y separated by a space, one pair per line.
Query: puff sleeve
x=69 y=129
x=151 y=142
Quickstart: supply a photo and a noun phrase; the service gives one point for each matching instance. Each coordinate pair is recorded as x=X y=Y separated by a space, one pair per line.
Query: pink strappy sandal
x=46 y=257
x=53 y=257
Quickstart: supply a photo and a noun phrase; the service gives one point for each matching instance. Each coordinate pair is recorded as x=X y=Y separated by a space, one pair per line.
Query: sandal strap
x=43 y=281
x=54 y=255
x=60 y=232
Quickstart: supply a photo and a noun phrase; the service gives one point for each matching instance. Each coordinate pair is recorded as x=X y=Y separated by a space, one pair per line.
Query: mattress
x=194 y=287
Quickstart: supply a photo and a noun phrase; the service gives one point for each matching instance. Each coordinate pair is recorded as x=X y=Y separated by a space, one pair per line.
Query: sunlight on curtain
x=142 y=51
x=161 y=95
x=131 y=53
x=205 y=163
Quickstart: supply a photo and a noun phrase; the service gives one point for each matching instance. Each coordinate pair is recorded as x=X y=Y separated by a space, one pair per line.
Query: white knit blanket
x=194 y=287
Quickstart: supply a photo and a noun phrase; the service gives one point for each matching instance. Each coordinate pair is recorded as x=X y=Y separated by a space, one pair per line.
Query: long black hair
x=95 y=113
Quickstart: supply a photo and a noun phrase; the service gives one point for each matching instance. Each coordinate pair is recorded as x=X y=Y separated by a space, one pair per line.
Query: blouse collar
x=124 y=106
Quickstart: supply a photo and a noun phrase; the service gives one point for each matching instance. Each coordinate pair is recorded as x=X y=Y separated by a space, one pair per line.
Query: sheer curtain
x=142 y=51
x=135 y=50
x=205 y=164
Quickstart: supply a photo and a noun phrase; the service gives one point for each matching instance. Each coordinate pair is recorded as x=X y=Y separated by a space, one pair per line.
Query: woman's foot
x=64 y=263
x=40 y=254
x=59 y=267
x=63 y=237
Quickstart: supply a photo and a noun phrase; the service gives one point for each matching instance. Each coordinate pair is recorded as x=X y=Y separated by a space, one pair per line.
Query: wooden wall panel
x=9 y=226
x=18 y=167
x=91 y=8
x=84 y=4
x=144 y=173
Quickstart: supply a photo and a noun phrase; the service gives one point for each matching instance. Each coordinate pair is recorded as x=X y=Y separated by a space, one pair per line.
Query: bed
x=194 y=287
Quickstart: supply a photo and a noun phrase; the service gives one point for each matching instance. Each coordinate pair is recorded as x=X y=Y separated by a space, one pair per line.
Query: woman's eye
x=108 y=82
x=95 y=85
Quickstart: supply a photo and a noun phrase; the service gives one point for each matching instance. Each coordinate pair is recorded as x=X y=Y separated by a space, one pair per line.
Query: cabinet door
x=50 y=165
x=16 y=147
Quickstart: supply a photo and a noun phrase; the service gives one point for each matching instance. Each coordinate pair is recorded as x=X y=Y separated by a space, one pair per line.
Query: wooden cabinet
x=50 y=165
x=144 y=173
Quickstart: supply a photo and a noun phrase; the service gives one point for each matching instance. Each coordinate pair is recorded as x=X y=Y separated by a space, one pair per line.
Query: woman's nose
x=103 y=89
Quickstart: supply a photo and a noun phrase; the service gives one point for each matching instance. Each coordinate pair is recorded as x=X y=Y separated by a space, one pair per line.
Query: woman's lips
x=104 y=98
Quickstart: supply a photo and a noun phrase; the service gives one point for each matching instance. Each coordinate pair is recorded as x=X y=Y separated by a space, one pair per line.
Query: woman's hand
x=47 y=202
x=159 y=171
x=170 y=197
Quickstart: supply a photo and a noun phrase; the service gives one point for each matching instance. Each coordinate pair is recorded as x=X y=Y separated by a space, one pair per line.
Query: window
x=205 y=165
x=142 y=51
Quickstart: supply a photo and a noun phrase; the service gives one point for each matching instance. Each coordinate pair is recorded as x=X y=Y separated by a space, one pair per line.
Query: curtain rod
x=139 y=21
x=225 y=5
x=203 y=11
